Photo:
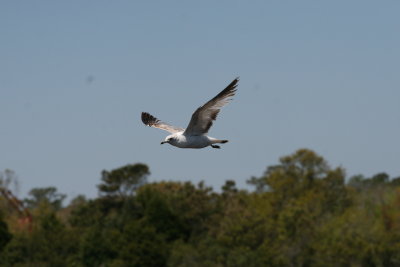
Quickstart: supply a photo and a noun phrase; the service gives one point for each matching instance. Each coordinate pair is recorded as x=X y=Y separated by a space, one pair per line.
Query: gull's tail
x=218 y=141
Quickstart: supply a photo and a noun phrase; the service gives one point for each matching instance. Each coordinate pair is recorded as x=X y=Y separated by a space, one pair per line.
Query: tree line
x=302 y=212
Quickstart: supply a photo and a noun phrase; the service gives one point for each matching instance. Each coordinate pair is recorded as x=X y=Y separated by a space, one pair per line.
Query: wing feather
x=152 y=121
x=202 y=119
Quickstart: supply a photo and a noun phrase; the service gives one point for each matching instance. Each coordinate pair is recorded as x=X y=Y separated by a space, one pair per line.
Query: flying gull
x=195 y=135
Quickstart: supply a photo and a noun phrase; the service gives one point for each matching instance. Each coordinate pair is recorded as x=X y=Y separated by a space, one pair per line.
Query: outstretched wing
x=152 y=121
x=202 y=119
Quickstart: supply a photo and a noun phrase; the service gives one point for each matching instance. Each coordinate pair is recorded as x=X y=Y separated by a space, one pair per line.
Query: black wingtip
x=144 y=117
x=148 y=119
x=234 y=82
x=230 y=88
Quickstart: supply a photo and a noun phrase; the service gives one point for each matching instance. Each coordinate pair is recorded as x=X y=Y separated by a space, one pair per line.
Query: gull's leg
x=215 y=146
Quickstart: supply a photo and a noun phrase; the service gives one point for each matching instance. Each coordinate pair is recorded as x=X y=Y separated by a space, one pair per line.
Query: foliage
x=5 y=235
x=301 y=213
x=123 y=181
x=45 y=196
x=8 y=179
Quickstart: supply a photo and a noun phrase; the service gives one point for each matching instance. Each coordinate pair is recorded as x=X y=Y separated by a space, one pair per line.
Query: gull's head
x=169 y=139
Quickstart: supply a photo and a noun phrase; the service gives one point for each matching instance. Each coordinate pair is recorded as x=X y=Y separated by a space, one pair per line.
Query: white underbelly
x=193 y=142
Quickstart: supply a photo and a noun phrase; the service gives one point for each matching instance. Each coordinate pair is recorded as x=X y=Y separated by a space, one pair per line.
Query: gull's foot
x=215 y=146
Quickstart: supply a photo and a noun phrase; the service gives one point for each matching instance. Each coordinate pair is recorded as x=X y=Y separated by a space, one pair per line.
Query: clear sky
x=75 y=76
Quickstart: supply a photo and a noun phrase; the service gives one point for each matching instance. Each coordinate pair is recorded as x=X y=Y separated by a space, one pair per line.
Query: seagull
x=195 y=135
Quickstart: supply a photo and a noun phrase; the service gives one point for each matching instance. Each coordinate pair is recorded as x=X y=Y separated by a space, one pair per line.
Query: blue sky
x=75 y=76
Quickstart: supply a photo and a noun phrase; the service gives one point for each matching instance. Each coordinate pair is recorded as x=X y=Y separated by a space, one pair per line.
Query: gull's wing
x=203 y=117
x=152 y=121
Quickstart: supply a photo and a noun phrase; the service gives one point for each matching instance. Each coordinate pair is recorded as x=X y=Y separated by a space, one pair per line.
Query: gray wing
x=152 y=121
x=202 y=119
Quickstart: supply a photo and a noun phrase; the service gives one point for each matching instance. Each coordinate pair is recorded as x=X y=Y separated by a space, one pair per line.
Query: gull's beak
x=163 y=142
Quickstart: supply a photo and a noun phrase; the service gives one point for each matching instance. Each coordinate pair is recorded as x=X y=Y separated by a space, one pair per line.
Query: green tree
x=301 y=214
x=304 y=192
x=229 y=187
x=158 y=212
x=142 y=245
x=123 y=181
x=5 y=235
x=99 y=245
x=45 y=196
x=8 y=178
x=366 y=234
x=49 y=243
x=188 y=207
